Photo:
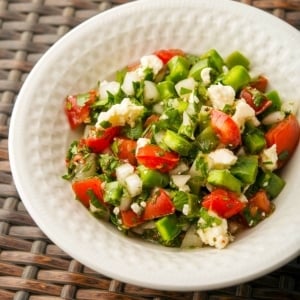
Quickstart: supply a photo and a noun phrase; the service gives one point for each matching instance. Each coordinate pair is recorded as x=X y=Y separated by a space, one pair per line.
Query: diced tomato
x=260 y=83
x=83 y=188
x=103 y=139
x=226 y=129
x=154 y=157
x=224 y=203
x=260 y=201
x=77 y=108
x=130 y=218
x=166 y=54
x=258 y=101
x=126 y=150
x=160 y=204
x=150 y=120
x=285 y=135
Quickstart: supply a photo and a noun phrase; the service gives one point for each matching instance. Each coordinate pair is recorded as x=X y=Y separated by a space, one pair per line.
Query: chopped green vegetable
x=177 y=143
x=237 y=58
x=168 y=227
x=224 y=179
x=254 y=140
x=237 y=77
x=179 y=68
x=245 y=168
x=153 y=178
x=185 y=151
x=271 y=183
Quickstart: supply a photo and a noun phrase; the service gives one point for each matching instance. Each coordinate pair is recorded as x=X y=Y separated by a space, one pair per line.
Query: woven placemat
x=31 y=266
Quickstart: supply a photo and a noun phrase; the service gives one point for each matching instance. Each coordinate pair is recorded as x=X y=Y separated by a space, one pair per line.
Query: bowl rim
x=119 y=10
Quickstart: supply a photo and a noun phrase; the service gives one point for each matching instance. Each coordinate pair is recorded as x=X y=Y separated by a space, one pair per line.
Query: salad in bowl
x=181 y=149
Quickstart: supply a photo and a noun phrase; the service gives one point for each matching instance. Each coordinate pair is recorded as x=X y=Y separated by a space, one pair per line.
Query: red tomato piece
x=160 y=204
x=126 y=150
x=285 y=135
x=260 y=83
x=249 y=95
x=103 y=139
x=224 y=203
x=260 y=201
x=166 y=54
x=154 y=157
x=130 y=218
x=151 y=119
x=225 y=128
x=77 y=108
x=83 y=187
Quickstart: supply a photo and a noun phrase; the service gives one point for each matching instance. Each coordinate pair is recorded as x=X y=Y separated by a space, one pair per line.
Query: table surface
x=31 y=266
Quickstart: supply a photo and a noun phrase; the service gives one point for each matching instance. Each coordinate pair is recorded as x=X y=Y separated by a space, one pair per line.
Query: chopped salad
x=180 y=149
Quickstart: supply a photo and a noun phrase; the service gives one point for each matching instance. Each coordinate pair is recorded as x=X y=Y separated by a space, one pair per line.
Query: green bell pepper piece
x=237 y=58
x=166 y=90
x=223 y=178
x=153 y=178
x=180 y=199
x=271 y=183
x=245 y=168
x=207 y=140
x=254 y=140
x=177 y=143
x=196 y=69
x=276 y=102
x=168 y=227
x=237 y=77
x=113 y=193
x=215 y=60
x=179 y=68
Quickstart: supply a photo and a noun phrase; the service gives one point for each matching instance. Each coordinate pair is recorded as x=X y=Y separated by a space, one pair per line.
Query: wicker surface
x=31 y=267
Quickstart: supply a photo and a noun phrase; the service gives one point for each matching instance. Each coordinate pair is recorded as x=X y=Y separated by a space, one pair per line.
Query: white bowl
x=39 y=137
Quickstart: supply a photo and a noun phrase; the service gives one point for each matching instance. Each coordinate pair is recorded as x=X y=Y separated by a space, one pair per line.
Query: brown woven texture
x=31 y=266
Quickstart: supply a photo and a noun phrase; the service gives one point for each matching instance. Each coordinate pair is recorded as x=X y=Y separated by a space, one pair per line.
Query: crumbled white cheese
x=123 y=171
x=205 y=76
x=141 y=142
x=133 y=184
x=136 y=208
x=129 y=79
x=151 y=62
x=273 y=117
x=120 y=114
x=116 y=210
x=185 y=209
x=244 y=112
x=222 y=158
x=221 y=95
x=269 y=158
x=106 y=87
x=215 y=235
